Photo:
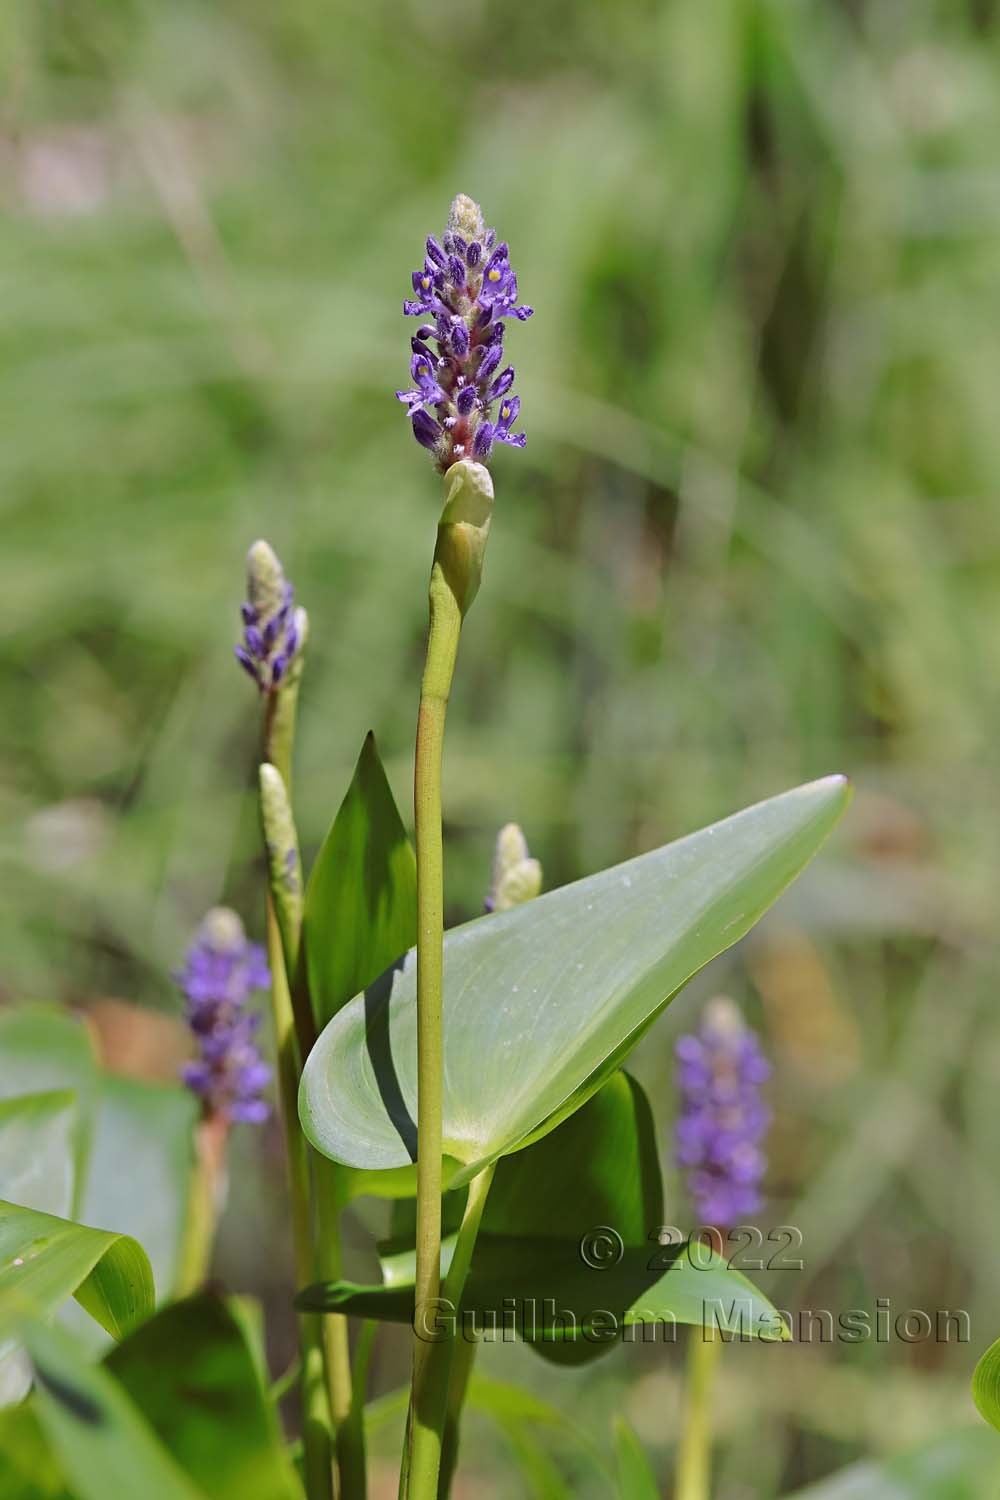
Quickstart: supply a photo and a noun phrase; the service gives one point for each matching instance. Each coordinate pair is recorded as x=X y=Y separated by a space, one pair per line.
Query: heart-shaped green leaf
x=565 y=1256
x=541 y=1001
x=45 y=1260
x=361 y=899
x=593 y=1185
x=192 y=1375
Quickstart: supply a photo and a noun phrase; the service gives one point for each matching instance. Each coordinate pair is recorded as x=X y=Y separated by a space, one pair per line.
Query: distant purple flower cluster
x=221 y=970
x=723 y=1119
x=465 y=291
x=272 y=629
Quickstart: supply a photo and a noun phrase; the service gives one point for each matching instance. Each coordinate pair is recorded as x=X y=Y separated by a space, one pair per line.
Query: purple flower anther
x=221 y=971
x=273 y=632
x=722 y=1120
x=467 y=288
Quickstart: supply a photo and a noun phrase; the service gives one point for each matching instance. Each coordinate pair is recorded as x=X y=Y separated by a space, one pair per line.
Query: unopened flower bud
x=464 y=529
x=273 y=632
x=516 y=876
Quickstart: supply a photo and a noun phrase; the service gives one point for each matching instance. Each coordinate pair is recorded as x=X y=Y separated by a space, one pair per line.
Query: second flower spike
x=273 y=631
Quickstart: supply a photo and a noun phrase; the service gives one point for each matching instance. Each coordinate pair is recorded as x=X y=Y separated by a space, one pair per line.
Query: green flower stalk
x=516 y=878
x=455 y=577
x=468 y=289
x=272 y=653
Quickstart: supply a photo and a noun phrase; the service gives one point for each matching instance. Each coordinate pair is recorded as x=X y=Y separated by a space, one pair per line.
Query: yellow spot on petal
x=425 y=282
x=505 y=412
x=494 y=275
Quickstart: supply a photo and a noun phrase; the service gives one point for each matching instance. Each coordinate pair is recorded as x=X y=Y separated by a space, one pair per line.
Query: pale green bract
x=543 y=1001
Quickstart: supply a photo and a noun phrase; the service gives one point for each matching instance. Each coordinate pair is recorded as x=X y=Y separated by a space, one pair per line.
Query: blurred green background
x=754 y=538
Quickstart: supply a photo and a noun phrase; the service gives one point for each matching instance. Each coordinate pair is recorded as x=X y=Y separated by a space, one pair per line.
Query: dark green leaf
x=192 y=1374
x=361 y=899
x=593 y=1184
x=103 y=1444
x=538 y=999
x=566 y=1237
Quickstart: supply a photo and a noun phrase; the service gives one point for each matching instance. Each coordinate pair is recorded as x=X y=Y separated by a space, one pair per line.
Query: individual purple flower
x=723 y=1119
x=465 y=290
x=221 y=970
x=273 y=631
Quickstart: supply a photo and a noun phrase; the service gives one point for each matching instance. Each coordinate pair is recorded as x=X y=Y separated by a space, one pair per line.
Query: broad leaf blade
x=557 y=1299
x=38 y=1138
x=42 y=1049
x=133 y=1144
x=537 y=999
x=192 y=1375
x=593 y=1185
x=45 y=1260
x=140 y=1169
x=361 y=899
x=563 y=1247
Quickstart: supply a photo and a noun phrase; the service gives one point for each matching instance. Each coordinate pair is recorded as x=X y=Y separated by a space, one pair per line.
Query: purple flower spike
x=467 y=288
x=718 y=1134
x=273 y=633
x=221 y=970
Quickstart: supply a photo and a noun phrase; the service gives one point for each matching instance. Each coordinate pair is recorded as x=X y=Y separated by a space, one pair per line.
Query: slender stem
x=455 y=577
x=326 y=1360
x=347 y=1413
x=315 y=1403
x=442 y=648
x=694 y=1457
x=432 y=1376
x=463 y=1359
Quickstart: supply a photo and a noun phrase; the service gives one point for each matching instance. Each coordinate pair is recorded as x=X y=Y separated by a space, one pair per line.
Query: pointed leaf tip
x=361 y=899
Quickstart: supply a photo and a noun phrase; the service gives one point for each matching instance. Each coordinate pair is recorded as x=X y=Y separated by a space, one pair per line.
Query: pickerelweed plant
x=474 y=1079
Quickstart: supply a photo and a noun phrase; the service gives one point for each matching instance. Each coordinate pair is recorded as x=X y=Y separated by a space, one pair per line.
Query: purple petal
x=426 y=431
